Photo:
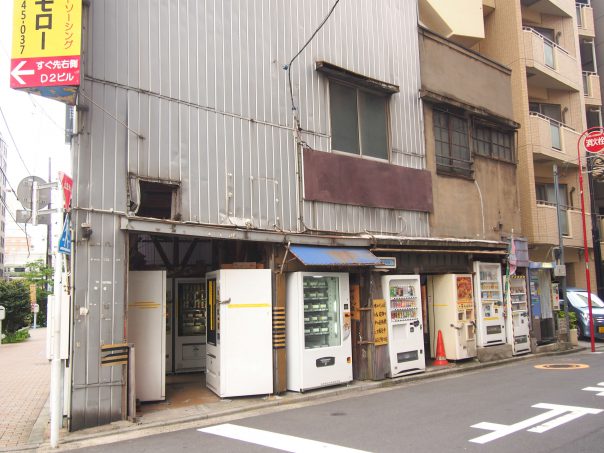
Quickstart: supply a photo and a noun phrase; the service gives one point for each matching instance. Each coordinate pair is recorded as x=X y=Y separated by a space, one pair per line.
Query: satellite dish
x=25 y=193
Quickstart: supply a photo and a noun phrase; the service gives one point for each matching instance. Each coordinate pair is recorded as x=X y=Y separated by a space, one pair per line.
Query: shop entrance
x=169 y=271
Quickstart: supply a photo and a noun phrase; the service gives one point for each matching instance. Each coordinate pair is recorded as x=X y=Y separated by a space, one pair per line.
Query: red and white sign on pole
x=594 y=141
x=66 y=185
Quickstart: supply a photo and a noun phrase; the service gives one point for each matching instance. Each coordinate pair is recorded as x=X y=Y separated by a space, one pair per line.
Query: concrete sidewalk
x=24 y=389
x=177 y=418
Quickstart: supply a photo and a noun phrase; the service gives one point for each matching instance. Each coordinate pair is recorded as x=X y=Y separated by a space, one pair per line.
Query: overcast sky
x=36 y=124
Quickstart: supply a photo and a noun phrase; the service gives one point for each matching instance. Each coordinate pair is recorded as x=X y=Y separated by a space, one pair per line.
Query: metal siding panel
x=144 y=49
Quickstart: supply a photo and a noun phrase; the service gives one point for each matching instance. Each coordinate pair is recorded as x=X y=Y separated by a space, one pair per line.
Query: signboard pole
x=56 y=382
x=593 y=140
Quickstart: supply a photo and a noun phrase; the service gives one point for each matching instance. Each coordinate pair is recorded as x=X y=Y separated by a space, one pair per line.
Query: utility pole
x=561 y=246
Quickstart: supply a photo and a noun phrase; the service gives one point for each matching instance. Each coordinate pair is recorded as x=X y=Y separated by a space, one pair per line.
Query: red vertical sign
x=66 y=184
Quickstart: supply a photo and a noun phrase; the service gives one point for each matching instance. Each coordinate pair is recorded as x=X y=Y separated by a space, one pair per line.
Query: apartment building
x=548 y=45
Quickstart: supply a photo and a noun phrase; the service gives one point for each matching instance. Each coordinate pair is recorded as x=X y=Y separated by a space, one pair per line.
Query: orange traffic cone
x=441 y=358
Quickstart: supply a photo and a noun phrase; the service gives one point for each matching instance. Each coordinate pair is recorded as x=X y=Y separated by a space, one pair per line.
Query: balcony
x=585 y=19
x=591 y=88
x=552 y=140
x=563 y=8
x=545 y=226
x=548 y=65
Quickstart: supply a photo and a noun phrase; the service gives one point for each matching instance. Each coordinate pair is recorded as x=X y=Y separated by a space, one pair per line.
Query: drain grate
x=562 y=366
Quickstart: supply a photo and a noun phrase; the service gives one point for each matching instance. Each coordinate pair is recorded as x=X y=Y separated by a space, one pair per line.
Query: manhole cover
x=562 y=366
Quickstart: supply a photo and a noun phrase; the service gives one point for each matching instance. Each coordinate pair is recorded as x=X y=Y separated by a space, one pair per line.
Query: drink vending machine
x=239 y=353
x=517 y=309
x=451 y=310
x=318 y=343
x=405 y=330
x=490 y=317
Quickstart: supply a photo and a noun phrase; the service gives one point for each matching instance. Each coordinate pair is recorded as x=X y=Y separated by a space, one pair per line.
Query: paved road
x=24 y=388
x=429 y=416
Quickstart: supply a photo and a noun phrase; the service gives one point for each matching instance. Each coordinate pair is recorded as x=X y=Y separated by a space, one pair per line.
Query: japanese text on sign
x=46 y=43
x=380 y=322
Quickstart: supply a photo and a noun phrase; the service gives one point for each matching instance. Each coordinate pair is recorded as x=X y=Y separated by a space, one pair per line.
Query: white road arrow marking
x=596 y=389
x=17 y=72
x=556 y=416
x=275 y=440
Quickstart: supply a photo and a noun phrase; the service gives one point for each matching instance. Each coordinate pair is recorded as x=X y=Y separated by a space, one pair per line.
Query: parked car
x=578 y=304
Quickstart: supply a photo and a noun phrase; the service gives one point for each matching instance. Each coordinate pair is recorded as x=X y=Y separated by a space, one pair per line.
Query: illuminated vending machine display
x=451 y=310
x=518 y=329
x=490 y=319
x=318 y=343
x=239 y=353
x=190 y=342
x=405 y=331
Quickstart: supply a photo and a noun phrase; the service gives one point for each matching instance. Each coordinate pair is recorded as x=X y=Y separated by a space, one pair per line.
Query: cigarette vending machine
x=318 y=343
x=517 y=309
x=405 y=330
x=190 y=341
x=239 y=353
x=490 y=318
x=451 y=310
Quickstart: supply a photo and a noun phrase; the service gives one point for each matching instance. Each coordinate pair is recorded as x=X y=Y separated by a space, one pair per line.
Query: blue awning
x=334 y=256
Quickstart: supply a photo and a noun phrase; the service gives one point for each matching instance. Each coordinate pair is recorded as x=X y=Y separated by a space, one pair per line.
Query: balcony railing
x=553 y=139
x=555 y=67
x=545 y=226
x=585 y=19
x=591 y=88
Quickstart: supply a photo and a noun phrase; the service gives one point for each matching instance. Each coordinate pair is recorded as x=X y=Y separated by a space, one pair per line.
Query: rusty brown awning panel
x=334 y=256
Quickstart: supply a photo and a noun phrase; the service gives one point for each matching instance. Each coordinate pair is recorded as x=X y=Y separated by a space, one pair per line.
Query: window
x=452 y=144
x=554 y=113
x=156 y=200
x=494 y=143
x=359 y=121
x=546 y=194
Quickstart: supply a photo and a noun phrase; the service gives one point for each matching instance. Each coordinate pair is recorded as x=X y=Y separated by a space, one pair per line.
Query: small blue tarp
x=334 y=256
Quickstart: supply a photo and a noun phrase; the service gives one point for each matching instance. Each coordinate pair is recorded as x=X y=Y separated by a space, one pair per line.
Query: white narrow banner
x=275 y=440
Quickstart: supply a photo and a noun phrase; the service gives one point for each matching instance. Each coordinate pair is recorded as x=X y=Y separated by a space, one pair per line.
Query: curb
x=363 y=386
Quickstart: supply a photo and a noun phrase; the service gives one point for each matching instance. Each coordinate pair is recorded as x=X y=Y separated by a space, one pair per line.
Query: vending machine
x=190 y=339
x=239 y=353
x=517 y=310
x=451 y=310
x=490 y=316
x=318 y=343
x=402 y=294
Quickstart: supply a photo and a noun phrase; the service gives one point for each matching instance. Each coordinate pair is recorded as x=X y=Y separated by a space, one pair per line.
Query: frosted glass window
x=374 y=126
x=344 y=119
x=359 y=121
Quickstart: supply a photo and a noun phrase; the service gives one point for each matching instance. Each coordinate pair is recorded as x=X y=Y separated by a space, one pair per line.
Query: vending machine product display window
x=321 y=312
x=190 y=344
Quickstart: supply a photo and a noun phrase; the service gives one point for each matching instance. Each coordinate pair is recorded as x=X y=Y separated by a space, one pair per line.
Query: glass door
x=322 y=325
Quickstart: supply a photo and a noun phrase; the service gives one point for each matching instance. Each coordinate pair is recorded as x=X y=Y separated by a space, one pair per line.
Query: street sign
x=25 y=193
x=594 y=141
x=24 y=216
x=66 y=184
x=46 y=47
x=65 y=240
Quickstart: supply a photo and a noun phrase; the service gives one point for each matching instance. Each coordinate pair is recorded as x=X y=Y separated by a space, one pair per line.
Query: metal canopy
x=334 y=256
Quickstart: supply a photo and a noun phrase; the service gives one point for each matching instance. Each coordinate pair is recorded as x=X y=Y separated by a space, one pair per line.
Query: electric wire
x=6 y=208
x=111 y=115
x=14 y=142
x=288 y=66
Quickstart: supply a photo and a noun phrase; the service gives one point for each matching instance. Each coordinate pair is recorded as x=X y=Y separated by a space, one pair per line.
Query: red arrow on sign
x=18 y=71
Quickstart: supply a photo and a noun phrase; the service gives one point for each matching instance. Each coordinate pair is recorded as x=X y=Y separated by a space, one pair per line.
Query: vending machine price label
x=380 y=322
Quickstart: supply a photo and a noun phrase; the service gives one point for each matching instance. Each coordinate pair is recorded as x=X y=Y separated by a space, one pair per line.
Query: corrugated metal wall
x=203 y=83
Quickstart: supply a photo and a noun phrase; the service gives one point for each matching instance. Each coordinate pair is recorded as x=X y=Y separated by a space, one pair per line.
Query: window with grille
x=493 y=143
x=452 y=144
